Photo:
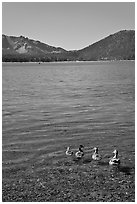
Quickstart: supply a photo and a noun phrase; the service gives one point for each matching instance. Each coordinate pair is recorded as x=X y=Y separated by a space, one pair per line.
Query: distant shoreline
x=65 y=62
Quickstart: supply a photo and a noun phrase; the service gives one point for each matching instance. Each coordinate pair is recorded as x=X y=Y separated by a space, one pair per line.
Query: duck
x=96 y=156
x=69 y=152
x=114 y=160
x=79 y=154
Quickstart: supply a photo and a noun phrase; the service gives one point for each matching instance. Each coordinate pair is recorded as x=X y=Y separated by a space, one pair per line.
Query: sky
x=70 y=25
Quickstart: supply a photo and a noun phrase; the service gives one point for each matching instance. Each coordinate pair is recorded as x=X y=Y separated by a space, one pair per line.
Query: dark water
x=47 y=107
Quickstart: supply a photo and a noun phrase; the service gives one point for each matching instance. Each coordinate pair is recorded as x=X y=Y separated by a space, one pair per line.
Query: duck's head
x=95 y=149
x=115 y=152
x=81 y=147
x=68 y=148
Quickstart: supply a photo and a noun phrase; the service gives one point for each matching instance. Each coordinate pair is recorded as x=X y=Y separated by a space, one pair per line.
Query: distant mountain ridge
x=118 y=46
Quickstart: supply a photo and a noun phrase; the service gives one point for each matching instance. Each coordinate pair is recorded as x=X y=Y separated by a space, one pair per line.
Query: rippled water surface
x=47 y=107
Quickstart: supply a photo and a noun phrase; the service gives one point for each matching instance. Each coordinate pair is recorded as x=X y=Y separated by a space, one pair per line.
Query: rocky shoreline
x=69 y=180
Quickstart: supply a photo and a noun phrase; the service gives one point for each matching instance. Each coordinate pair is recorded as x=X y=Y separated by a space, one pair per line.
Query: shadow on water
x=103 y=163
x=83 y=160
x=78 y=160
x=124 y=169
x=87 y=160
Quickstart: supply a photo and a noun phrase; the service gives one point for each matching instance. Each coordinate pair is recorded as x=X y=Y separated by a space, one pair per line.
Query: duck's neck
x=96 y=151
x=80 y=150
x=116 y=155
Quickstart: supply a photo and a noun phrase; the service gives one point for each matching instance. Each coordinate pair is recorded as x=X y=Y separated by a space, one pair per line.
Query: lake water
x=46 y=107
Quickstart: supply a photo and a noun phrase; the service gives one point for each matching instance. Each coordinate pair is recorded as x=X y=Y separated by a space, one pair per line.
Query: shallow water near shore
x=49 y=106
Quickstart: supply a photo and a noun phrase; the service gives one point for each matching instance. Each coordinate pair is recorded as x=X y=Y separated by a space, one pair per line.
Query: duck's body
x=115 y=160
x=96 y=156
x=79 y=154
x=69 y=152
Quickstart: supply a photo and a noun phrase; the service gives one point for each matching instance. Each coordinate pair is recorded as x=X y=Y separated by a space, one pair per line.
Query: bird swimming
x=114 y=160
x=80 y=153
x=96 y=156
x=69 y=152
